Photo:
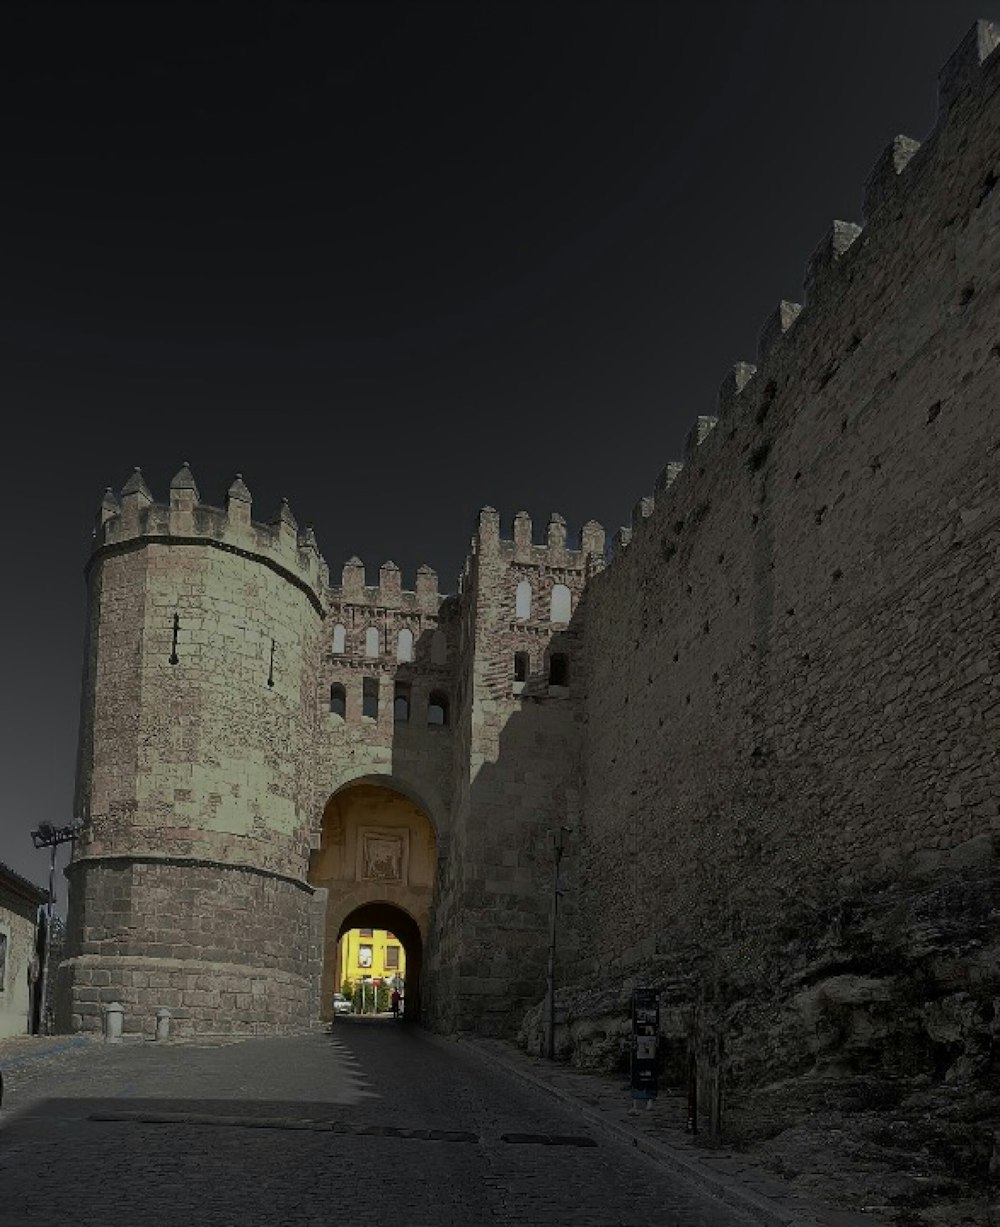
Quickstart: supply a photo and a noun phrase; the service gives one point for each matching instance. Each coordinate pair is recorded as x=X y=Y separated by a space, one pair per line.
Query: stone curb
x=729 y=1189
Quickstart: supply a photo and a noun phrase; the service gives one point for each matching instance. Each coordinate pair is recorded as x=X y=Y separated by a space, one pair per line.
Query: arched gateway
x=252 y=779
x=376 y=861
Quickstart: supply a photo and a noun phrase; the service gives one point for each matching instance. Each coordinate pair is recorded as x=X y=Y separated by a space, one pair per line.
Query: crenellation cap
x=238 y=491
x=353 y=577
x=668 y=475
x=284 y=515
x=487 y=529
x=136 y=486
x=183 y=498
x=733 y=384
x=837 y=240
x=776 y=325
x=136 y=500
x=389 y=580
x=183 y=479
x=963 y=66
x=110 y=505
x=622 y=538
x=238 y=504
x=883 y=182
x=556 y=534
x=642 y=510
x=427 y=581
x=592 y=538
x=522 y=529
x=699 y=432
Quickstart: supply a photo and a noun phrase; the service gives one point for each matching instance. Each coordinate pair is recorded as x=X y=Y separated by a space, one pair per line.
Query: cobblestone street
x=377 y=1123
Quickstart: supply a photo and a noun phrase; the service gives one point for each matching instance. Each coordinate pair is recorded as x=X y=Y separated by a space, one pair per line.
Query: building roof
x=19 y=885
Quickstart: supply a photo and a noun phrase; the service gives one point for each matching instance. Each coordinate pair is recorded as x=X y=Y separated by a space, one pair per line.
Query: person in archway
x=394 y=1002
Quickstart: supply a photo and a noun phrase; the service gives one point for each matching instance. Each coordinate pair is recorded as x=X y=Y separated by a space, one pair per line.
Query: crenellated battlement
x=552 y=554
x=846 y=275
x=388 y=595
x=135 y=518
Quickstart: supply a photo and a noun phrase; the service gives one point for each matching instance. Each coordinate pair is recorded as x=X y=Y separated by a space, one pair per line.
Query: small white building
x=19 y=902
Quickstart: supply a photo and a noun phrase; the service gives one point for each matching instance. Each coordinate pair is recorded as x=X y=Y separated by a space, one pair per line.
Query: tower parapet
x=185 y=519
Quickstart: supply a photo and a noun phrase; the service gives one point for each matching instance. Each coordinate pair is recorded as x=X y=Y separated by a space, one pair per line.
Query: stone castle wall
x=792 y=667
x=787 y=674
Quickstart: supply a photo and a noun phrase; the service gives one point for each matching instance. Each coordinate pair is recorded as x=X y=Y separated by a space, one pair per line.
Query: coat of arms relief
x=383 y=855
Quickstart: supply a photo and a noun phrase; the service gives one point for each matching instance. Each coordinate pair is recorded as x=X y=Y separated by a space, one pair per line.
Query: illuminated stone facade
x=787 y=671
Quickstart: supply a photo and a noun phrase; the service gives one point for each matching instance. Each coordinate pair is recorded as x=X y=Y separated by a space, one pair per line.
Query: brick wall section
x=793 y=667
x=224 y=949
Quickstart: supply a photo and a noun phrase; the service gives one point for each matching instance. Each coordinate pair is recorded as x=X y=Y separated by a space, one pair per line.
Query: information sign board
x=645 y=1036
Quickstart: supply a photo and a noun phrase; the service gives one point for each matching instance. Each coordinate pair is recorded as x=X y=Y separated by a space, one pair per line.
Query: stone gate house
x=785 y=673
x=19 y=903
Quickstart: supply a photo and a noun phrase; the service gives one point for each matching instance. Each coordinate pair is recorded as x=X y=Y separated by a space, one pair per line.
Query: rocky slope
x=855 y=1048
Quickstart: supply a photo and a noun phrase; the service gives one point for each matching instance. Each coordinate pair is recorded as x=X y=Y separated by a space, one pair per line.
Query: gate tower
x=189 y=882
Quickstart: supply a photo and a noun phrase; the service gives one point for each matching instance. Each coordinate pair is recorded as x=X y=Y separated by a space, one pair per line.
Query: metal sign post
x=645 y=1038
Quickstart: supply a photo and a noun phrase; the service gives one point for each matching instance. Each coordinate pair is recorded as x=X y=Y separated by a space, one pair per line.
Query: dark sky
x=394 y=263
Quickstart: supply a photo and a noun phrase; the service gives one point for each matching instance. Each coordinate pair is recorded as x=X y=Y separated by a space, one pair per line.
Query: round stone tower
x=188 y=886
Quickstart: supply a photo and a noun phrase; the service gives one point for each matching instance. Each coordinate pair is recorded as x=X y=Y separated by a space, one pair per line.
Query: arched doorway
x=377 y=861
x=383 y=915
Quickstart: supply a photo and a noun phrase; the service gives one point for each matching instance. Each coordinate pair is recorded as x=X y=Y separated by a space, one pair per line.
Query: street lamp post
x=49 y=836
x=557 y=853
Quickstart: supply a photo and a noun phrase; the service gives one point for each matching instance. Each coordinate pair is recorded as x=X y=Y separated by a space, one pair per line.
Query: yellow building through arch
x=373 y=956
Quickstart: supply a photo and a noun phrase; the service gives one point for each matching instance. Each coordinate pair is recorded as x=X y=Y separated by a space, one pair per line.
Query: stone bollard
x=114 y=1012
x=163 y=1023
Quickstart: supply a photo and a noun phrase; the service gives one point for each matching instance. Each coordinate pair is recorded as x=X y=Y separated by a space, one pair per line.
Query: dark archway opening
x=383 y=915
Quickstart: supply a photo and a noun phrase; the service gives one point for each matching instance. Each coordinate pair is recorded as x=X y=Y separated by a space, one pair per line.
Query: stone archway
x=377 y=858
x=384 y=915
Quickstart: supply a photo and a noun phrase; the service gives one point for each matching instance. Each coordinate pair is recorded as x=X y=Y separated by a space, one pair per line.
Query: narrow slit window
x=369 y=698
x=522 y=601
x=372 y=646
x=437 y=709
x=521 y=666
x=404 y=645
x=338 y=700
x=559 y=669
x=401 y=704
x=562 y=604
x=339 y=639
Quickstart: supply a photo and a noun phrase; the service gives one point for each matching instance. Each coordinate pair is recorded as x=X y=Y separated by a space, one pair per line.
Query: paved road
x=374 y=1124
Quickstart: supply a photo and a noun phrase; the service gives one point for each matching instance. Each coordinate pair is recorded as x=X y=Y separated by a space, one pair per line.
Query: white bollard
x=163 y=1023
x=114 y=1012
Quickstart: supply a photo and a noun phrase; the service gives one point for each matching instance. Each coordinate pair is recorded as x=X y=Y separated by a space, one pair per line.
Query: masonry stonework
x=786 y=677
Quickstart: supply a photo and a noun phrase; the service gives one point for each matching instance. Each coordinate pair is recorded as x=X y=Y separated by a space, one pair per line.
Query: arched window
x=339 y=639
x=521 y=666
x=437 y=708
x=404 y=645
x=522 y=602
x=338 y=700
x=559 y=669
x=401 y=703
x=372 y=646
x=562 y=604
x=439 y=648
x=369 y=698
